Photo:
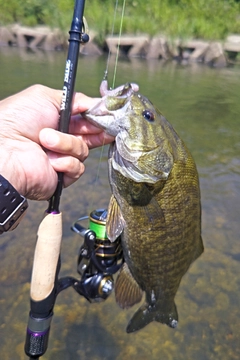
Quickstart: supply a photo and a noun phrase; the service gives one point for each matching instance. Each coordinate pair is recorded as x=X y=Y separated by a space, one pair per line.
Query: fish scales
x=159 y=275
x=155 y=204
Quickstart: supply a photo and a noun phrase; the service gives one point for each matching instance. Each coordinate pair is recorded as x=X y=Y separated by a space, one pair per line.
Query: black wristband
x=12 y=206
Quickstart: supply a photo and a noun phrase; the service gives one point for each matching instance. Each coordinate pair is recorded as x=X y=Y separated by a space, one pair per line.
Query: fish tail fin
x=145 y=314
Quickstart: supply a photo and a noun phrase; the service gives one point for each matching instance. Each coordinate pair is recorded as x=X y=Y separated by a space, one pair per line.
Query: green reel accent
x=97 y=223
x=99 y=229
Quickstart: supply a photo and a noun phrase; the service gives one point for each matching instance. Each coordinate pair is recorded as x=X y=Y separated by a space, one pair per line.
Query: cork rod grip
x=46 y=256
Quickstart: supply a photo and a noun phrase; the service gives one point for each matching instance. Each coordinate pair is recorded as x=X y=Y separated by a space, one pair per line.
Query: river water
x=203 y=105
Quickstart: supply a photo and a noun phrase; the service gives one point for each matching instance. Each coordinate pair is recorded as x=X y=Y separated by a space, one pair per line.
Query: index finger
x=82 y=103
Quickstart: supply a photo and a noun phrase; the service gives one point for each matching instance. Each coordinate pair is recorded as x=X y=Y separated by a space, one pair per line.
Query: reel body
x=98 y=259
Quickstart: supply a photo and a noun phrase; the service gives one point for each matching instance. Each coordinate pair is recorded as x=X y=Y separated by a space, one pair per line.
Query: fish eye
x=148 y=115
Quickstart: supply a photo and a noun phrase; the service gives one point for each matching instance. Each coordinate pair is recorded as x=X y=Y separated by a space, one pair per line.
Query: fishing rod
x=99 y=259
x=46 y=264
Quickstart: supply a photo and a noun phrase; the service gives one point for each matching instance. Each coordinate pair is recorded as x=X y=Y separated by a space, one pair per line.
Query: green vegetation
x=207 y=19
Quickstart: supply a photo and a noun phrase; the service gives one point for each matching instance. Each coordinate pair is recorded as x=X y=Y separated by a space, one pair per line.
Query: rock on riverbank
x=157 y=47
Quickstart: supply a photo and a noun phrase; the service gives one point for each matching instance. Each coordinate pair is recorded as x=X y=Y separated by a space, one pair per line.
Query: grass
x=205 y=19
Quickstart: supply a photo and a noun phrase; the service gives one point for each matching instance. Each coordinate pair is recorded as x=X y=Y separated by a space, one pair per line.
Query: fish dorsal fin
x=115 y=221
x=127 y=290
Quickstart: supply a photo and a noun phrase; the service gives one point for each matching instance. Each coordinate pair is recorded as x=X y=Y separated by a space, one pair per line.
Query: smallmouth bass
x=155 y=203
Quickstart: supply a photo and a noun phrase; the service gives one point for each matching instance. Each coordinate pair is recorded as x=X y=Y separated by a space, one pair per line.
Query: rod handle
x=46 y=256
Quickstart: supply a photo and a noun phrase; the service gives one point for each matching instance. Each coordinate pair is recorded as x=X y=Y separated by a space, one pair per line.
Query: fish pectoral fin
x=200 y=248
x=127 y=290
x=115 y=221
x=145 y=314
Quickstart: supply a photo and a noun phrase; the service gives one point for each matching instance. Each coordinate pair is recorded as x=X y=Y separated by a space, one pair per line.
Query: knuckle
x=82 y=150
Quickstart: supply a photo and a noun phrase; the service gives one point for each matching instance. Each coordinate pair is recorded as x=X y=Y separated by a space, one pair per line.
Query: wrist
x=12 y=177
x=12 y=206
x=9 y=164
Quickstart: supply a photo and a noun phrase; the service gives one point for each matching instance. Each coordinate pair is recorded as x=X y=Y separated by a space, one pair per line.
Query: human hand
x=32 y=151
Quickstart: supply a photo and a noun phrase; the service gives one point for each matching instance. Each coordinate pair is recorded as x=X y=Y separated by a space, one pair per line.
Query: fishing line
x=97 y=175
x=118 y=46
x=109 y=51
x=114 y=76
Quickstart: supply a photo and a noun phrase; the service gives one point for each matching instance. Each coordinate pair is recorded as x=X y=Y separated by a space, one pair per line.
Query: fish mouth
x=119 y=91
x=108 y=113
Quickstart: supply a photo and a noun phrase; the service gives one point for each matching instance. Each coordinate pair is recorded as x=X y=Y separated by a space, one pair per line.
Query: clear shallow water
x=203 y=105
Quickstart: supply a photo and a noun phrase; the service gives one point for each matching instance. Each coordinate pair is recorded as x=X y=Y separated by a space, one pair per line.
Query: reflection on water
x=203 y=105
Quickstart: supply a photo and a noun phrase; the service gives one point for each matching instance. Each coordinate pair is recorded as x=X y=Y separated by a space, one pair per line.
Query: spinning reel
x=98 y=259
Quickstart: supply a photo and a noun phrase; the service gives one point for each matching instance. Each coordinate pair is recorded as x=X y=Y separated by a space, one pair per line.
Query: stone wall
x=157 y=47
